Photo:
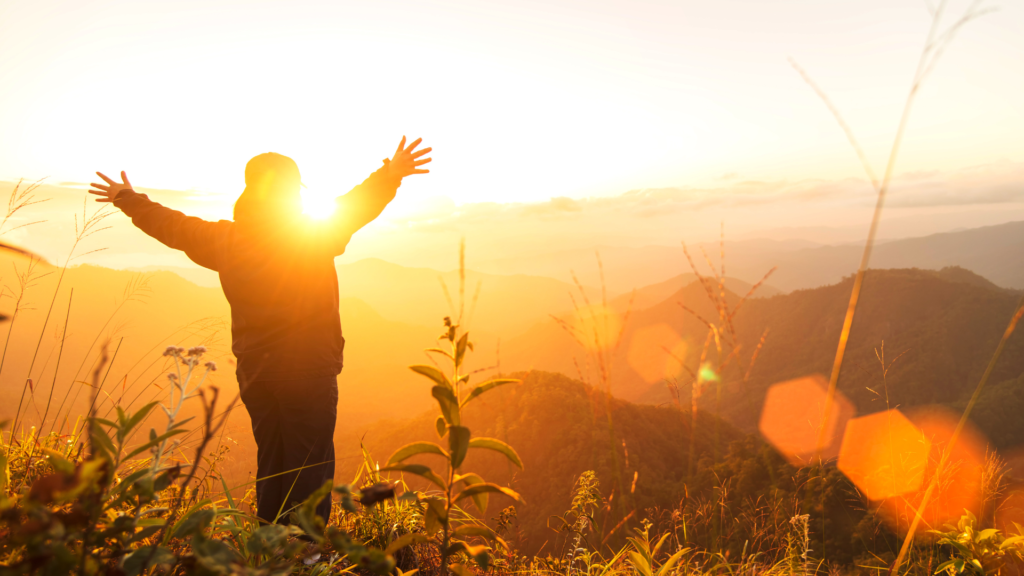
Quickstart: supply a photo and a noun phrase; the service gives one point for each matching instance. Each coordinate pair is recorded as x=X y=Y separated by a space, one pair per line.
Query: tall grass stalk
x=60 y=354
x=593 y=334
x=20 y=199
x=135 y=287
x=26 y=279
x=934 y=47
x=948 y=449
x=89 y=226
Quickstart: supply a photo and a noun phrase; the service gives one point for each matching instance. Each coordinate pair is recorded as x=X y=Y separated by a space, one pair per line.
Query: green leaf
x=193 y=524
x=657 y=547
x=478 y=553
x=440 y=351
x=459 y=546
x=437 y=509
x=1011 y=541
x=406 y=540
x=461 y=570
x=432 y=373
x=488 y=487
x=448 y=403
x=129 y=480
x=666 y=568
x=227 y=492
x=266 y=539
x=310 y=522
x=59 y=462
x=410 y=450
x=490 y=384
x=214 y=555
x=142 y=448
x=181 y=423
x=133 y=563
x=138 y=417
x=640 y=563
x=431 y=521
x=442 y=427
x=460 y=349
x=497 y=446
x=458 y=444
x=986 y=534
x=418 y=470
x=479 y=499
x=193 y=510
x=102 y=440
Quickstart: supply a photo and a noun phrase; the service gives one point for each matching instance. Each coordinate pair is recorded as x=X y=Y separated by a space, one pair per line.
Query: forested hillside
x=641 y=456
x=943 y=326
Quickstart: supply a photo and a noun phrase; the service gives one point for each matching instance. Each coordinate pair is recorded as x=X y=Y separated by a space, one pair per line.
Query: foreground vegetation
x=110 y=499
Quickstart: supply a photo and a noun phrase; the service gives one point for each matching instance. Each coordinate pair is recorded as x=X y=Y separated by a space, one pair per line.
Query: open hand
x=407 y=160
x=108 y=192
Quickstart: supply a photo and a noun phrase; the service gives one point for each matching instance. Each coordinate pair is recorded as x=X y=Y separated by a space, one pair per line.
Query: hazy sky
x=521 y=100
x=684 y=110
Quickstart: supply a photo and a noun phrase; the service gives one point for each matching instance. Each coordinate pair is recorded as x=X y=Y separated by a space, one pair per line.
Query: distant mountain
x=656 y=293
x=560 y=429
x=995 y=252
x=197 y=275
x=505 y=306
x=948 y=322
x=142 y=313
x=625 y=268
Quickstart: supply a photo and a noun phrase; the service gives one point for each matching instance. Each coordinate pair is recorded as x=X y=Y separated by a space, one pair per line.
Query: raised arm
x=365 y=202
x=199 y=239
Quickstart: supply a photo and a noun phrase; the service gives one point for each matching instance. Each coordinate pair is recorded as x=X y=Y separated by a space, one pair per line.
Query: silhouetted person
x=276 y=267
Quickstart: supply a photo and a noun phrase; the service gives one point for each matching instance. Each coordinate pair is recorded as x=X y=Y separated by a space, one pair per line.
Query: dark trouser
x=293 y=422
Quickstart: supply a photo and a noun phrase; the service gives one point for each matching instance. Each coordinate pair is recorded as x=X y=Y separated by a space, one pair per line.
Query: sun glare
x=317 y=204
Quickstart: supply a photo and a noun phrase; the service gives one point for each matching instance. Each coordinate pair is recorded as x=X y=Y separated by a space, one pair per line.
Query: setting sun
x=317 y=205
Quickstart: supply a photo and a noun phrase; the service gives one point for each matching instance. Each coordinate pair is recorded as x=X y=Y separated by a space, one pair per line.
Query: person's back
x=276 y=268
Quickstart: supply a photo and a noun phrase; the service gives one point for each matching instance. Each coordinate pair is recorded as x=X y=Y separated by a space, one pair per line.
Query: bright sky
x=522 y=101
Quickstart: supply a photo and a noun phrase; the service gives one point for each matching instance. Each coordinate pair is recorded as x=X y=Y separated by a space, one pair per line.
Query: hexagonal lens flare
x=884 y=455
x=793 y=420
x=958 y=486
x=656 y=352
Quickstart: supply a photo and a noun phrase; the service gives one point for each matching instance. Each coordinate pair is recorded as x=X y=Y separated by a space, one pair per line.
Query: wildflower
x=211 y=366
x=196 y=350
x=172 y=377
x=179 y=350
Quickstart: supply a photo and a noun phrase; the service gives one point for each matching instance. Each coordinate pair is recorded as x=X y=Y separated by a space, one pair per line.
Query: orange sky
x=523 y=102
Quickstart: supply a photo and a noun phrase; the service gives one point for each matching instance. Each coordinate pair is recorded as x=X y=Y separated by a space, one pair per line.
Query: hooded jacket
x=278 y=274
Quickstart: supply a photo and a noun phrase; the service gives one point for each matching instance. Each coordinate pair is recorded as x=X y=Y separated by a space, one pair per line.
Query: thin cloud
x=990 y=184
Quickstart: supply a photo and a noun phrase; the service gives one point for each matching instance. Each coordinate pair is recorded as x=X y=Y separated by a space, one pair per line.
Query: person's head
x=271 y=189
